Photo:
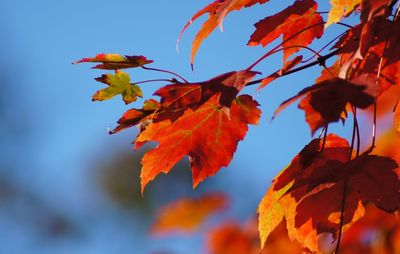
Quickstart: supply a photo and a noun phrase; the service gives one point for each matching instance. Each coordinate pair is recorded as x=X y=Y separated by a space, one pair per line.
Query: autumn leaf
x=118 y=83
x=116 y=61
x=367 y=178
x=325 y=102
x=207 y=135
x=217 y=11
x=341 y=8
x=299 y=24
x=187 y=214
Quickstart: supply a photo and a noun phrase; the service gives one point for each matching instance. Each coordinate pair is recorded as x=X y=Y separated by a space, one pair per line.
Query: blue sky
x=56 y=133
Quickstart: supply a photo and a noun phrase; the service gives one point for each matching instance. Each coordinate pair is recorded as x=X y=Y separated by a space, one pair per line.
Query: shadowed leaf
x=115 y=61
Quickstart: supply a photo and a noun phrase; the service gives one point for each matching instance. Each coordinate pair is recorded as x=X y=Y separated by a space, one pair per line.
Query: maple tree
x=205 y=121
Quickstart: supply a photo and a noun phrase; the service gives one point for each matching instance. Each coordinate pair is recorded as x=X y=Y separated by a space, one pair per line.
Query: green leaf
x=118 y=83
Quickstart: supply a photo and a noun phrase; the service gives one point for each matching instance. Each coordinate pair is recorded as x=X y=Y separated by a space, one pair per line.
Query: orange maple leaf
x=217 y=11
x=341 y=8
x=208 y=135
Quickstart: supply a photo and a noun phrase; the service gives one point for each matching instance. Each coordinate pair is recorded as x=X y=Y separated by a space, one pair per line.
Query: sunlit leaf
x=118 y=83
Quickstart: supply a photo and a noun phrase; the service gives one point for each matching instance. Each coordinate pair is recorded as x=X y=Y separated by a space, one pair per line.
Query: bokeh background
x=66 y=186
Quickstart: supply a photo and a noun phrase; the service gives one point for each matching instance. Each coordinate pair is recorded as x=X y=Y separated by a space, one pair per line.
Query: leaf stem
x=165 y=71
x=374 y=127
x=324 y=139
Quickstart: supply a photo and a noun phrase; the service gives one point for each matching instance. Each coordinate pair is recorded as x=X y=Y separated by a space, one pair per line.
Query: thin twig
x=357 y=132
x=374 y=127
x=316 y=62
x=280 y=45
x=353 y=135
x=324 y=47
x=154 y=80
x=341 y=215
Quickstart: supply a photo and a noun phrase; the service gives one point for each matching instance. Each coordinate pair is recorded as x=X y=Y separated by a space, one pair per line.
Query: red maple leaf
x=299 y=24
x=325 y=102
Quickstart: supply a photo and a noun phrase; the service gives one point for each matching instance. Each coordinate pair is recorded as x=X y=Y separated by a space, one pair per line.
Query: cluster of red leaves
x=323 y=176
x=204 y=121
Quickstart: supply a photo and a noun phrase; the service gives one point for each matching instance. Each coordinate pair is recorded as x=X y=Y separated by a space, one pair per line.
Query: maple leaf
x=217 y=11
x=325 y=102
x=341 y=8
x=118 y=83
x=299 y=24
x=116 y=61
x=187 y=214
x=367 y=178
x=190 y=135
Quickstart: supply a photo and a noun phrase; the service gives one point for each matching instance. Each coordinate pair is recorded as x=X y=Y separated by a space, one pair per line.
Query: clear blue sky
x=55 y=133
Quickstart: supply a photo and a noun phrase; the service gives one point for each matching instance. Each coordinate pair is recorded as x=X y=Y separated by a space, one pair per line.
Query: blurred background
x=66 y=186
